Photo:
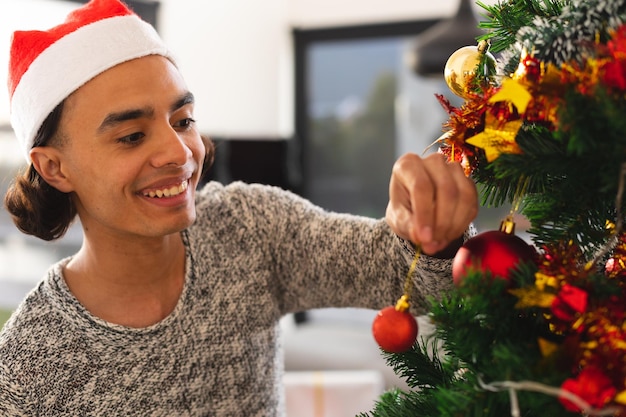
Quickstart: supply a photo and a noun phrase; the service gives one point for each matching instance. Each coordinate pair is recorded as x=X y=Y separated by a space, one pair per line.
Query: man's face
x=131 y=152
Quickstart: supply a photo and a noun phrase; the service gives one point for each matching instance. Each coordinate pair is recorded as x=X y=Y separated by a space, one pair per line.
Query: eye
x=185 y=123
x=132 y=139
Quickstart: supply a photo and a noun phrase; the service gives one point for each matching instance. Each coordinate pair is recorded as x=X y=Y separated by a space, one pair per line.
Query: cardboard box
x=331 y=393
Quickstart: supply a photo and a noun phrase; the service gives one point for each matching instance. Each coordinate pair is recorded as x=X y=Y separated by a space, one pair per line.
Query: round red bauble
x=395 y=331
x=494 y=251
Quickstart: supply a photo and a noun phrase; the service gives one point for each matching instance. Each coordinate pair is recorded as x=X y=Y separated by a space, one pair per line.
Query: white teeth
x=169 y=192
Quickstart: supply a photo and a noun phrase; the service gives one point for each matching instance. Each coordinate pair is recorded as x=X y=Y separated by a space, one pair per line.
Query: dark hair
x=36 y=207
x=209 y=156
x=41 y=210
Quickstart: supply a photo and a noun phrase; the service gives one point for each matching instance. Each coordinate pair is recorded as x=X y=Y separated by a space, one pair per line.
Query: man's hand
x=431 y=201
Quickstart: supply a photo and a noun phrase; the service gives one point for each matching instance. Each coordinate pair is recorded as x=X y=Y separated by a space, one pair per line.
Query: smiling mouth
x=168 y=192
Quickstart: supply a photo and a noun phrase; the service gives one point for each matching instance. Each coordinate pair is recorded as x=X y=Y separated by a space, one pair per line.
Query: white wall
x=323 y=13
x=236 y=58
x=237 y=54
x=18 y=14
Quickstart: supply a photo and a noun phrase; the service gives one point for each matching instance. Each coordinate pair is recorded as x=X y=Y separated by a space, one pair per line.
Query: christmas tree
x=543 y=130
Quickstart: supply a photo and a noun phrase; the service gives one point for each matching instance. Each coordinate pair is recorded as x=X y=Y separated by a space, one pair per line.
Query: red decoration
x=569 y=303
x=616 y=265
x=592 y=385
x=395 y=330
x=497 y=252
x=531 y=66
x=613 y=267
x=614 y=70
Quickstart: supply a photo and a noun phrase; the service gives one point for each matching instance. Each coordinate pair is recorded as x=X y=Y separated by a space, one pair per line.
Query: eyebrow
x=115 y=118
x=185 y=99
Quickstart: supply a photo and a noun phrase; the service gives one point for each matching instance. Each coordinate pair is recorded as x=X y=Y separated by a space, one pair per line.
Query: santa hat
x=45 y=67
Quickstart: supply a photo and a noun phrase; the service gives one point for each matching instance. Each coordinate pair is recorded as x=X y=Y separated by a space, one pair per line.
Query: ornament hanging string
x=508 y=224
x=520 y=191
x=619 y=221
x=403 y=302
x=409 y=275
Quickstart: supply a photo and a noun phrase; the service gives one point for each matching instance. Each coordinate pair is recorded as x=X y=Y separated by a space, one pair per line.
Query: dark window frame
x=303 y=40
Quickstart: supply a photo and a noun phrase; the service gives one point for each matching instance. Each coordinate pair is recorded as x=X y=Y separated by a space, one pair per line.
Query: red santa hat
x=45 y=67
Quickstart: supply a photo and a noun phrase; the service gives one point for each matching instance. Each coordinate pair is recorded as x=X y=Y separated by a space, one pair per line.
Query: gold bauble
x=461 y=67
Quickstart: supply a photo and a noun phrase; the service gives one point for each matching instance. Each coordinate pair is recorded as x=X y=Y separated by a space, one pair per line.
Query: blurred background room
x=316 y=96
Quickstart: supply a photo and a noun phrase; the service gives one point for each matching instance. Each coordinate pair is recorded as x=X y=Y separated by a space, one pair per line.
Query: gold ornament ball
x=461 y=66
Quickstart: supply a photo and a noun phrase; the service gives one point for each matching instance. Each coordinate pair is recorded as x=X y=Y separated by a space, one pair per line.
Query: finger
x=399 y=212
x=456 y=204
x=467 y=207
x=439 y=217
x=421 y=194
x=399 y=220
x=446 y=198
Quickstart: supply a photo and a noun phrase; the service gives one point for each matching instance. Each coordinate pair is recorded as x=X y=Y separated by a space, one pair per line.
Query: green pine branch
x=569 y=176
x=555 y=31
x=506 y=18
x=482 y=338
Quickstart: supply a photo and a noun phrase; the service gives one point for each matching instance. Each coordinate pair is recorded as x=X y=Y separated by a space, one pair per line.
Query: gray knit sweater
x=254 y=254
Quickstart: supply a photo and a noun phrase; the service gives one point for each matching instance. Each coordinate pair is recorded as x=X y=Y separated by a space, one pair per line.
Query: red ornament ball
x=394 y=331
x=494 y=251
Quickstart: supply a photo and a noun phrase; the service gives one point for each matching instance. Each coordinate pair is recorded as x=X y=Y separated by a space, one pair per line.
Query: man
x=171 y=305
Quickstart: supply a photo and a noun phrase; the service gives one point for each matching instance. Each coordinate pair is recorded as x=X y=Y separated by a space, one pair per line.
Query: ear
x=47 y=162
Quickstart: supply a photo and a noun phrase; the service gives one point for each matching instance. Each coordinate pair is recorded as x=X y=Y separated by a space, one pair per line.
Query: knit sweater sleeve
x=11 y=397
x=324 y=259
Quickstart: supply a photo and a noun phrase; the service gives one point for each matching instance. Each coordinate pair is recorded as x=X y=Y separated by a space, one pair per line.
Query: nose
x=170 y=148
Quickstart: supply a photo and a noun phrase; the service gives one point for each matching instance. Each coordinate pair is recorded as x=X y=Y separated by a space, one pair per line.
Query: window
x=359 y=107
